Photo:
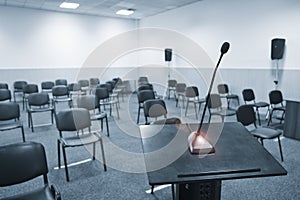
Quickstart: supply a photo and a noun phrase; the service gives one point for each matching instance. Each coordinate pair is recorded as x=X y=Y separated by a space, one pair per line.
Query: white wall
x=249 y=26
x=44 y=45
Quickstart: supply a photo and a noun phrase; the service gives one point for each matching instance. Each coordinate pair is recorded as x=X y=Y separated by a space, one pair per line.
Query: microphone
x=196 y=141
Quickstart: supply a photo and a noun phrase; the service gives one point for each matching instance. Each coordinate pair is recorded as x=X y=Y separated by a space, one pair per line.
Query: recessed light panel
x=125 y=12
x=69 y=5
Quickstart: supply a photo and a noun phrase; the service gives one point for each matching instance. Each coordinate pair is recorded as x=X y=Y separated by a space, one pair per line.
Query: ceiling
x=107 y=8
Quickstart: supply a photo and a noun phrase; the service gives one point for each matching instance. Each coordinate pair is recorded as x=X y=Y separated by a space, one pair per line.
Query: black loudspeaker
x=168 y=55
x=277 y=48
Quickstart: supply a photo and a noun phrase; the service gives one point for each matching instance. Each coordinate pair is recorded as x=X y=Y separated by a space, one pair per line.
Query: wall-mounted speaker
x=168 y=55
x=277 y=48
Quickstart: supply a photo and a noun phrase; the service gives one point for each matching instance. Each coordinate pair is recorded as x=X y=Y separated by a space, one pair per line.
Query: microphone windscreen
x=225 y=47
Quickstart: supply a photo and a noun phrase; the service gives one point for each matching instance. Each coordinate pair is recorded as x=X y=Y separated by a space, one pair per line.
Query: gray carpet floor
x=125 y=177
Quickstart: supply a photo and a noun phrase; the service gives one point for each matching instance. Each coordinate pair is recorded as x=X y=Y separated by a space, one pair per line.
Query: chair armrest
x=55 y=192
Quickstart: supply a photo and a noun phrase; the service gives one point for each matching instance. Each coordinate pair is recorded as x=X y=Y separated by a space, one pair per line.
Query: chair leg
x=270 y=117
x=65 y=163
x=195 y=110
x=152 y=189
x=187 y=105
x=107 y=128
x=102 y=152
x=258 y=117
x=117 y=108
x=31 y=121
x=58 y=153
x=94 y=150
x=23 y=134
x=138 y=117
x=280 y=149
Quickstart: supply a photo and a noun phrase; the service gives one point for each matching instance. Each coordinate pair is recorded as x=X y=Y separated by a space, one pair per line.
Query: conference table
x=237 y=155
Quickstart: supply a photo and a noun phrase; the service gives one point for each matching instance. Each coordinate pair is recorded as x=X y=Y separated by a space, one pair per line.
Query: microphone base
x=199 y=145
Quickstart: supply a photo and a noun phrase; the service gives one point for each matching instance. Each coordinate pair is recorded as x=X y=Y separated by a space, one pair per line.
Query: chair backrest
x=19 y=85
x=112 y=84
x=73 y=119
x=248 y=95
x=84 y=83
x=180 y=87
x=155 y=108
x=73 y=87
x=223 y=88
x=275 y=97
x=145 y=95
x=145 y=86
x=60 y=90
x=38 y=99
x=30 y=88
x=5 y=94
x=191 y=91
x=9 y=110
x=142 y=80
x=94 y=81
x=246 y=115
x=47 y=85
x=21 y=162
x=214 y=101
x=3 y=86
x=101 y=93
x=87 y=101
x=172 y=83
x=61 y=82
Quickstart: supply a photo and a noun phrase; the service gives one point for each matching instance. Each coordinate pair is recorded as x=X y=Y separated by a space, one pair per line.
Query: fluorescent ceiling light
x=69 y=5
x=125 y=12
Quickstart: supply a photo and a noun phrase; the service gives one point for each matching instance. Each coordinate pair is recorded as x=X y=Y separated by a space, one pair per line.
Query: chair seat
x=10 y=125
x=266 y=133
x=42 y=109
x=224 y=112
x=202 y=100
x=62 y=99
x=261 y=104
x=43 y=193
x=98 y=116
x=232 y=96
x=109 y=102
x=282 y=108
x=81 y=139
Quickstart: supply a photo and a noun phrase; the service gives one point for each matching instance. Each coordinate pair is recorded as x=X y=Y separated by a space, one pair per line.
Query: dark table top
x=237 y=154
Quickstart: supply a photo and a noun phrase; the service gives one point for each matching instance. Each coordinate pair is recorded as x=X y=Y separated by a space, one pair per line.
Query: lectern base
x=208 y=190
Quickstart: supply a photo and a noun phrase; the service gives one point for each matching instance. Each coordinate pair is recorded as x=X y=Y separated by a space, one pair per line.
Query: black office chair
x=223 y=90
x=103 y=99
x=142 y=96
x=60 y=93
x=76 y=119
x=38 y=103
x=61 y=82
x=154 y=108
x=215 y=107
x=180 y=93
x=84 y=85
x=192 y=96
x=142 y=80
x=89 y=102
x=10 y=115
x=249 y=97
x=5 y=95
x=276 y=103
x=245 y=115
x=145 y=86
x=47 y=86
x=27 y=90
x=18 y=88
x=94 y=82
x=22 y=162
x=171 y=87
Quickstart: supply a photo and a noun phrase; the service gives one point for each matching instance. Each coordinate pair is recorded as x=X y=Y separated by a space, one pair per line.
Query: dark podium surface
x=237 y=155
x=291 y=127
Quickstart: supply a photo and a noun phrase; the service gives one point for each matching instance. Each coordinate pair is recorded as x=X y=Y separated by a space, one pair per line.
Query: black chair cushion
x=266 y=133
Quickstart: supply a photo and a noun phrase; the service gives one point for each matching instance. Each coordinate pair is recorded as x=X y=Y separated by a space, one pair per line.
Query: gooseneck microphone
x=224 y=49
x=193 y=139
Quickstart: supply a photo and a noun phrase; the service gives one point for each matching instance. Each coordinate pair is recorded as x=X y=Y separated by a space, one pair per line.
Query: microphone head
x=225 y=47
